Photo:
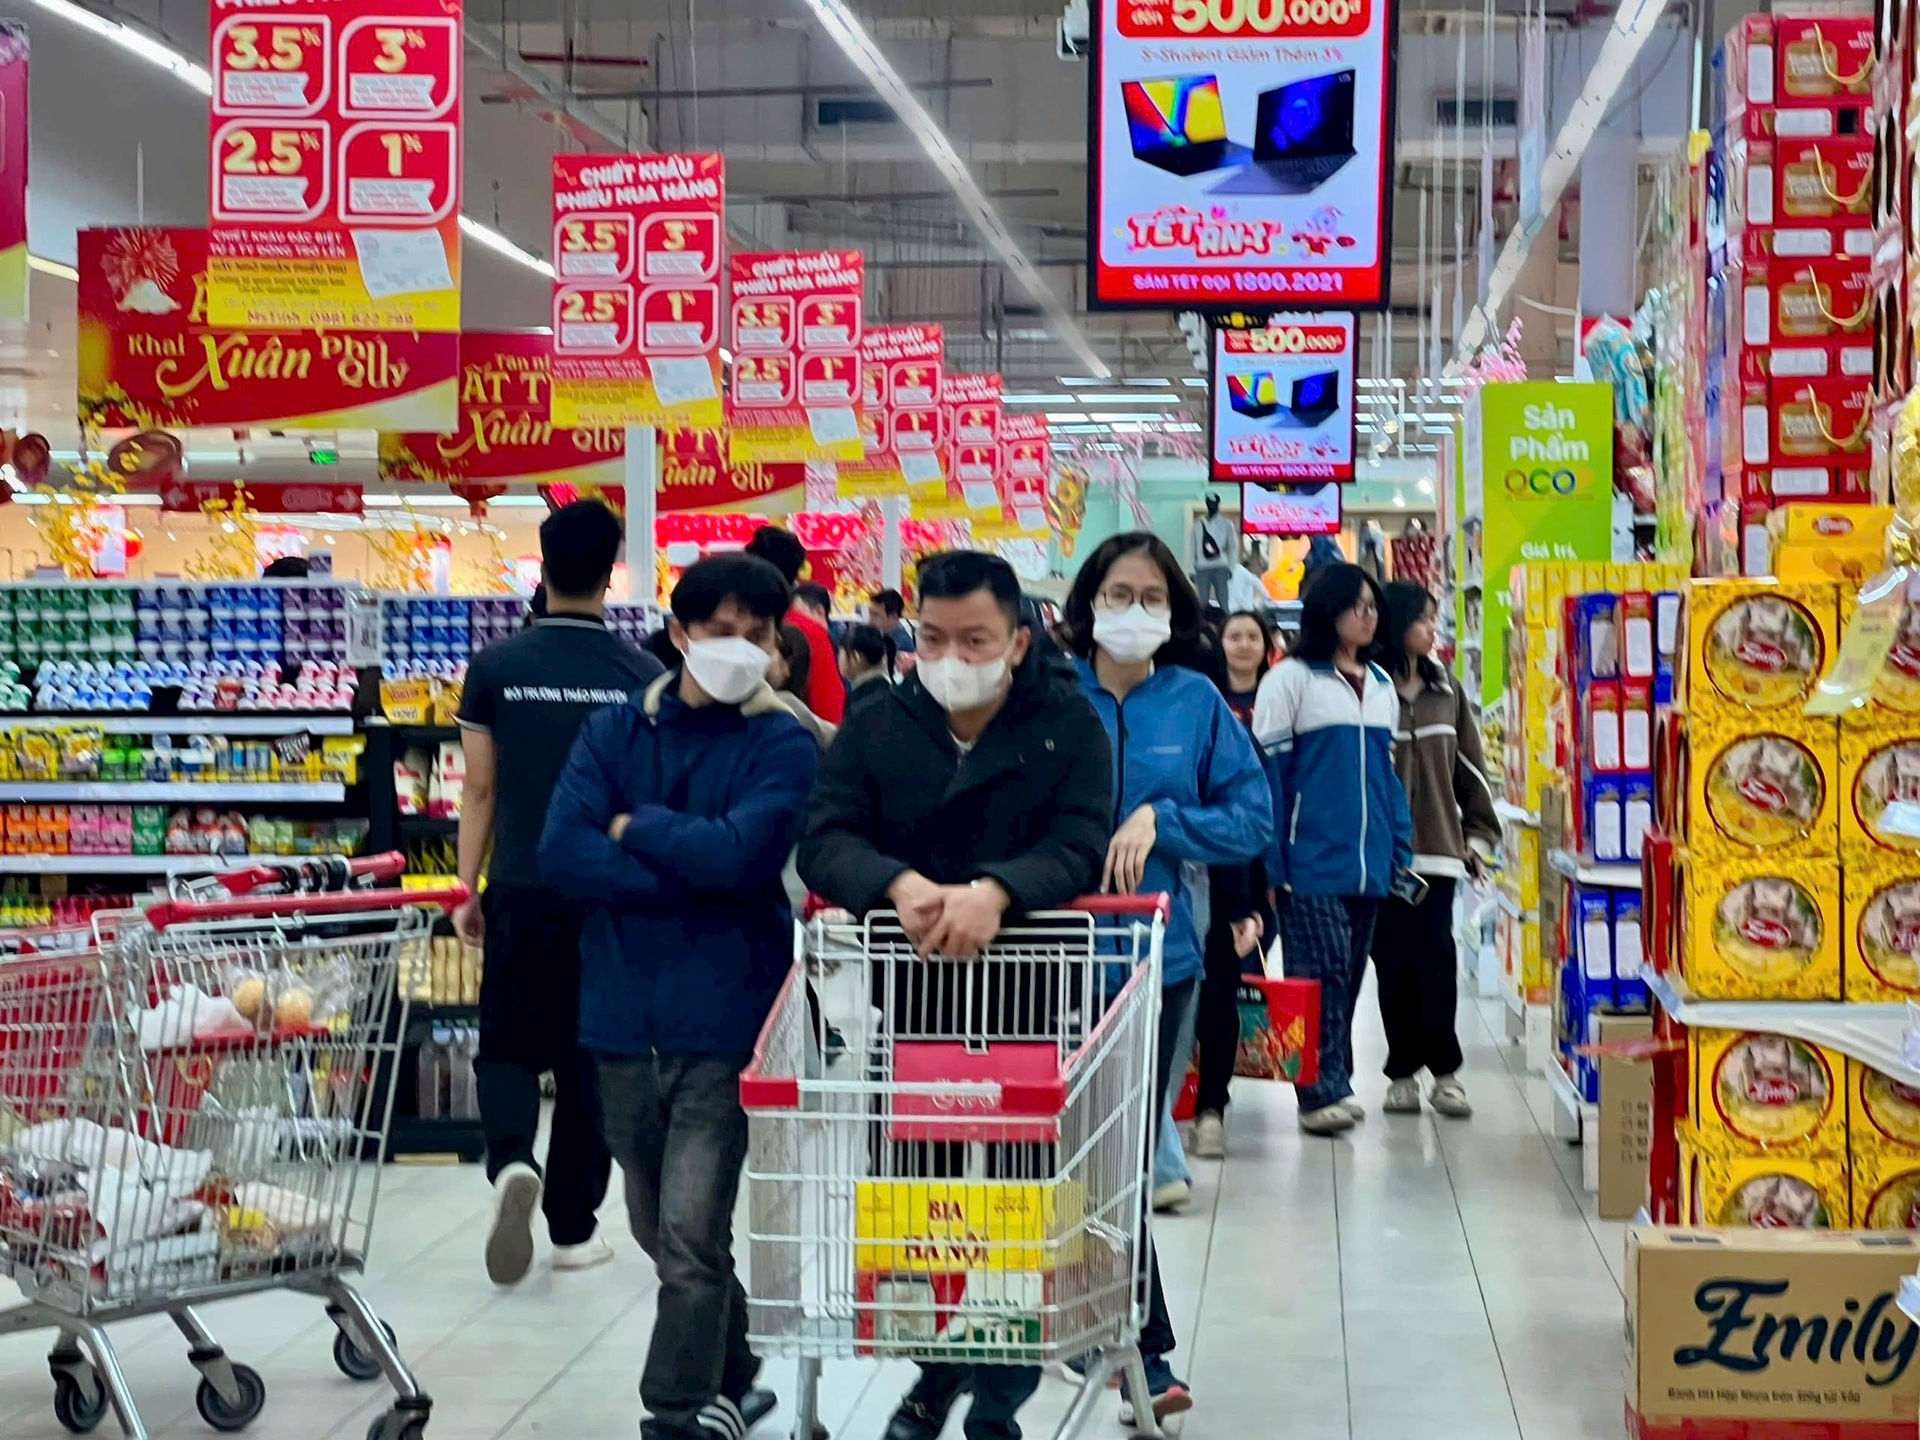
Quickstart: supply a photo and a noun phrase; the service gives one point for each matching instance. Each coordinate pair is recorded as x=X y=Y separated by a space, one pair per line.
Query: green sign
x=1537 y=468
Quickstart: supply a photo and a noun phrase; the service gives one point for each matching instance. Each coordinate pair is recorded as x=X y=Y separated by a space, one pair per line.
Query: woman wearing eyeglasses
x=1325 y=718
x=1190 y=794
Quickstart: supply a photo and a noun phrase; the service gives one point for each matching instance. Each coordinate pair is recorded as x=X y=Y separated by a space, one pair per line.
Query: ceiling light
x=493 y=240
x=516 y=501
x=1066 y=415
x=52 y=267
x=852 y=38
x=1080 y=380
x=1129 y=399
x=1039 y=399
x=1161 y=383
x=134 y=42
x=1194 y=381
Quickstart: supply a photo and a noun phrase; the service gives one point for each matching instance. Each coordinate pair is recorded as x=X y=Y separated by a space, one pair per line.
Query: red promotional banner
x=503 y=432
x=335 y=164
x=900 y=376
x=150 y=358
x=967 y=488
x=269 y=497
x=695 y=474
x=795 y=320
x=13 y=170
x=1026 y=459
x=637 y=241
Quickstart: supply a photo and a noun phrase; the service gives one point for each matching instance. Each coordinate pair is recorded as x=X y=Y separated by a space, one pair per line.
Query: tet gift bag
x=1279 y=1037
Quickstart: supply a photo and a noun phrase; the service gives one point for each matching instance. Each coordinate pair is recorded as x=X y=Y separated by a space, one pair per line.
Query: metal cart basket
x=186 y=1103
x=962 y=1178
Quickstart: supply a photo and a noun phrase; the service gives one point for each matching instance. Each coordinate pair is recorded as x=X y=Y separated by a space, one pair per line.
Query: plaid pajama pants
x=1326 y=938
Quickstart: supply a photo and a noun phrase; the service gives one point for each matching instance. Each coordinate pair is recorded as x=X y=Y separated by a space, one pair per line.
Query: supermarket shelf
x=107 y=792
x=188 y=724
x=463 y=1140
x=1507 y=903
x=1872 y=1034
x=1620 y=877
x=136 y=864
x=1516 y=1002
x=1573 y=1114
x=1515 y=815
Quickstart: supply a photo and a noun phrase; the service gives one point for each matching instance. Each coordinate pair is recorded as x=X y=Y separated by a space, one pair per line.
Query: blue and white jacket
x=1178 y=748
x=1343 y=826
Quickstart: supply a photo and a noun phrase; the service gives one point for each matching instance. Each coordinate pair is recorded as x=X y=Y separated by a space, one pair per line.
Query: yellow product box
x=1761 y=929
x=1763 y=785
x=1756 y=1092
x=946 y=1226
x=1883 y=1114
x=1756 y=645
x=1881 y=956
x=1877 y=767
x=1773 y=1191
x=407 y=702
x=1886 y=1191
x=1844 y=543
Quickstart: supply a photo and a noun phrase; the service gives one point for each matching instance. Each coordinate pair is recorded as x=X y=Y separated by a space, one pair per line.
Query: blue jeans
x=1169 y=1155
x=1326 y=938
x=674 y=1124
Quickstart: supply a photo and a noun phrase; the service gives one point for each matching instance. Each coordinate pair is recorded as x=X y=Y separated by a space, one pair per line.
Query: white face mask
x=729 y=668
x=957 y=686
x=1131 y=635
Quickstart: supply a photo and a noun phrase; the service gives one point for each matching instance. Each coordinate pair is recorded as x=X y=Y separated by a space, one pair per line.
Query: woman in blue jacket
x=1189 y=794
x=1325 y=718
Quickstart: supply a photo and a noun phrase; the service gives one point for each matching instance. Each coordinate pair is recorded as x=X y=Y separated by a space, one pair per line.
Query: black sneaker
x=923 y=1414
x=756 y=1405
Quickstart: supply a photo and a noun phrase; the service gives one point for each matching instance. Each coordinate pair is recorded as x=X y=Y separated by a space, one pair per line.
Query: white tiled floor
x=1420 y=1277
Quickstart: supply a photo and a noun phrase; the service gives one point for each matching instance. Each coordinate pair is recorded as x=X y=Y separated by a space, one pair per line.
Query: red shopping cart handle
x=389 y=866
x=277 y=907
x=1160 y=904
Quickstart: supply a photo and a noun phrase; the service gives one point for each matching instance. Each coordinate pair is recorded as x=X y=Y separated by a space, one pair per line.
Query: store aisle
x=1420 y=1277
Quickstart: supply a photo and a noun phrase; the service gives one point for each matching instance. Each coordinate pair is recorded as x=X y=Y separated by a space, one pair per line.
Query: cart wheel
x=223 y=1414
x=395 y=1426
x=76 y=1408
x=355 y=1363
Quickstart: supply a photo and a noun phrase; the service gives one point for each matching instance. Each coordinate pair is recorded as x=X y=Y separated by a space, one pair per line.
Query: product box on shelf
x=1765 y=1190
x=1756 y=1092
x=1625 y=1124
x=1883 y=1114
x=1762 y=929
x=1841 y=543
x=1808 y=181
x=1609 y=956
x=1817 y=421
x=1808 y=317
x=1721 y=1329
x=1763 y=785
x=1879 y=767
x=1882 y=958
x=1823 y=60
x=1886 y=1192
x=1767 y=486
x=1753 y=645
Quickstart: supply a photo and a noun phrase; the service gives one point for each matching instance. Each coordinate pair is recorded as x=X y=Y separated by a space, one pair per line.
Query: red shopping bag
x=1279 y=1037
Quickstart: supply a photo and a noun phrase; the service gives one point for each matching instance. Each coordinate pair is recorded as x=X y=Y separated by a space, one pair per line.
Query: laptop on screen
x=1179 y=125
x=1303 y=136
x=1314 y=399
x=1253 y=395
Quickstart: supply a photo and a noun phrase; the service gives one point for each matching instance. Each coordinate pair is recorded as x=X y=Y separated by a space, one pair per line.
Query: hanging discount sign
x=335 y=164
x=1283 y=399
x=971 y=406
x=796 y=326
x=1026 y=457
x=899 y=375
x=637 y=241
x=1241 y=153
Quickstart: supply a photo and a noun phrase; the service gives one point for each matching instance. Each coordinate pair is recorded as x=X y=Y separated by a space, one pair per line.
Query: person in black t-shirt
x=525 y=700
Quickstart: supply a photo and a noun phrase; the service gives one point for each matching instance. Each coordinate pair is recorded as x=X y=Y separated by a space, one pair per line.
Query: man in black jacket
x=979 y=788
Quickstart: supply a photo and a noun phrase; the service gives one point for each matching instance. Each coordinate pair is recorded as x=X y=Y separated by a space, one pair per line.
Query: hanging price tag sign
x=795 y=322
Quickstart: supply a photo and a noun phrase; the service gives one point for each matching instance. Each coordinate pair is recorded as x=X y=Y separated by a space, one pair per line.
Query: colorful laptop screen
x=1164 y=114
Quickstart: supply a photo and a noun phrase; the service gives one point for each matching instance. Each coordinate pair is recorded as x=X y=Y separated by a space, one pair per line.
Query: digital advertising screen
x=1282 y=399
x=1240 y=153
x=1273 y=509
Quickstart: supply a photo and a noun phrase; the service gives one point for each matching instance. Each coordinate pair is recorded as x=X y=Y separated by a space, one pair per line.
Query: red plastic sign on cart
x=637 y=241
x=335 y=164
x=796 y=322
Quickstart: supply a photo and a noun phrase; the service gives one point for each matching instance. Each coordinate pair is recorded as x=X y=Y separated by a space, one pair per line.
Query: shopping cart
x=185 y=1105
x=964 y=1182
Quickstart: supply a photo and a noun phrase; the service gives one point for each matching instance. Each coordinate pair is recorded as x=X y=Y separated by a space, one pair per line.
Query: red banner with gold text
x=335 y=154
x=695 y=474
x=149 y=359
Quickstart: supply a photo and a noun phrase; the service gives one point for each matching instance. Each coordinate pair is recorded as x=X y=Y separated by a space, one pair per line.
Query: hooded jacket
x=688 y=934
x=1030 y=805
x=1178 y=748
x=1342 y=826
x=1438 y=758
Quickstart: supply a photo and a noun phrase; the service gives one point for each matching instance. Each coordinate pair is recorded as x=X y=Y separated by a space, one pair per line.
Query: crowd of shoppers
x=646 y=830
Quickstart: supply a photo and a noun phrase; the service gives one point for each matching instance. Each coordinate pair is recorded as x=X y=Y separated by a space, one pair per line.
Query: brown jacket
x=1437 y=755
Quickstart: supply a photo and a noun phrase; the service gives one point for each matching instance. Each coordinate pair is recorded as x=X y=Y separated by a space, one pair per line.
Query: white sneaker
x=1209 y=1137
x=1449 y=1097
x=1171 y=1196
x=583 y=1256
x=1403 y=1098
x=516 y=1195
x=1328 y=1120
x=1356 y=1112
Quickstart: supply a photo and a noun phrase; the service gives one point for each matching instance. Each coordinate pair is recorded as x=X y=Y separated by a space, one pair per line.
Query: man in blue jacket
x=673 y=820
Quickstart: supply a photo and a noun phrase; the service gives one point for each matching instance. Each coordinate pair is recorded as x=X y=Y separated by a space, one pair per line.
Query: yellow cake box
x=1759 y=1093
x=1878 y=766
x=1774 y=1191
x=1883 y=1114
x=1881 y=957
x=1761 y=929
x=1763 y=785
x=1756 y=646
x=1886 y=1191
